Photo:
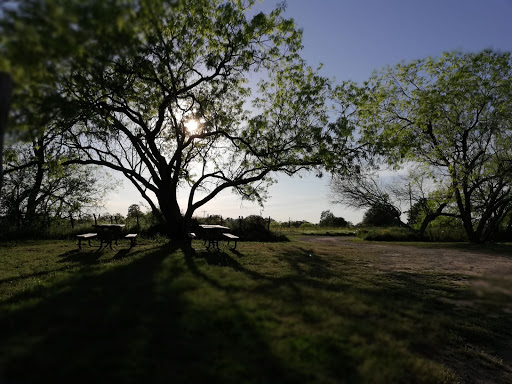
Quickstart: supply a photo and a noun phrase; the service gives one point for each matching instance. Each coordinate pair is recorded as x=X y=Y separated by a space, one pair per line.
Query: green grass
x=282 y=312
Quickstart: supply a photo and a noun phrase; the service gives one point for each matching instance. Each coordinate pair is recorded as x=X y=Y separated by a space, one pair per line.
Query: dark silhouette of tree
x=163 y=92
x=380 y=216
x=328 y=219
x=37 y=188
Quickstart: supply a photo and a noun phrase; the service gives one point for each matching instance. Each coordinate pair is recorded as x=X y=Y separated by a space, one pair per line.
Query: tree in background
x=451 y=116
x=161 y=92
x=327 y=219
x=380 y=216
x=363 y=191
x=134 y=212
x=38 y=188
x=40 y=181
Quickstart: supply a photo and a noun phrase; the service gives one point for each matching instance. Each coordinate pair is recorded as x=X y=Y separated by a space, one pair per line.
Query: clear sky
x=352 y=38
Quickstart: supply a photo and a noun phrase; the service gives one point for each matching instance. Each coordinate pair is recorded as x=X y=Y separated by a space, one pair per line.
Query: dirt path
x=406 y=258
x=490 y=268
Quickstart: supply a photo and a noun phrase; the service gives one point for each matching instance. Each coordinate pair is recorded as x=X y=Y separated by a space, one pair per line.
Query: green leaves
x=451 y=114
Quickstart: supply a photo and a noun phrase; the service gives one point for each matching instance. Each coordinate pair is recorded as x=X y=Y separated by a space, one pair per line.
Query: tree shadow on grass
x=396 y=324
x=131 y=323
x=85 y=257
x=165 y=315
x=89 y=256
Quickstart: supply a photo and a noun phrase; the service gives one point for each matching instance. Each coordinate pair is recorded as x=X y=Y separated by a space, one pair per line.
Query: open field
x=313 y=310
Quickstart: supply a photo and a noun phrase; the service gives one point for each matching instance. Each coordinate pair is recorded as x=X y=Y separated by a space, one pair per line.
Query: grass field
x=293 y=312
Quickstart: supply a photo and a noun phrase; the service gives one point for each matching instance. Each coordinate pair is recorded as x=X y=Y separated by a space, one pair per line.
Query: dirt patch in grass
x=487 y=273
x=408 y=258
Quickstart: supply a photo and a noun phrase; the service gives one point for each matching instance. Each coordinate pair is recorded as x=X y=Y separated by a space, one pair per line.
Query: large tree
x=451 y=115
x=161 y=92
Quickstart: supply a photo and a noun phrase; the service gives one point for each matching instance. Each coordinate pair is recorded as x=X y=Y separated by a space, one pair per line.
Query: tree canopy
x=451 y=117
x=328 y=219
x=197 y=95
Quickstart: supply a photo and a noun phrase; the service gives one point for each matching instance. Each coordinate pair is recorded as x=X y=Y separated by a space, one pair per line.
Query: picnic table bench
x=230 y=237
x=212 y=234
x=84 y=236
x=132 y=237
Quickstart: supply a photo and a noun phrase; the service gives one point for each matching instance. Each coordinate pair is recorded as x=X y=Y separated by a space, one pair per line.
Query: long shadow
x=403 y=307
x=131 y=323
x=135 y=322
x=81 y=257
x=287 y=292
x=72 y=256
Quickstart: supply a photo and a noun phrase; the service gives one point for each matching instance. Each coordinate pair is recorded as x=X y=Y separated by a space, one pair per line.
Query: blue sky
x=352 y=38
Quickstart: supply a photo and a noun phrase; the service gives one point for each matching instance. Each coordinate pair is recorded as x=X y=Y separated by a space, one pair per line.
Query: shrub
x=255 y=228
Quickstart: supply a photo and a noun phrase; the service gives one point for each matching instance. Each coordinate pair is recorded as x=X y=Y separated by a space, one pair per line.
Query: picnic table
x=212 y=234
x=108 y=233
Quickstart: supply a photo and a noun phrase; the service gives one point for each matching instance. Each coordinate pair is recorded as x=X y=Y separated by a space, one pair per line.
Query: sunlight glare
x=192 y=126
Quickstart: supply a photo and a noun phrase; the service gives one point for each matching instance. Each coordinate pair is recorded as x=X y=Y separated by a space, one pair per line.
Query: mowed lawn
x=292 y=312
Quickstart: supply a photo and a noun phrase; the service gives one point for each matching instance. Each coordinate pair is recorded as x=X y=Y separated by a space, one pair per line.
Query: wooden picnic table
x=211 y=234
x=108 y=233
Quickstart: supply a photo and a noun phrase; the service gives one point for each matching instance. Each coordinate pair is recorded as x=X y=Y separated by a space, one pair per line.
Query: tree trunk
x=5 y=97
x=429 y=218
x=36 y=187
x=174 y=224
x=465 y=215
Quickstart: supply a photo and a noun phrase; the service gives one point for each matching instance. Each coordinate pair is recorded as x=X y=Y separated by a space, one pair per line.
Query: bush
x=255 y=228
